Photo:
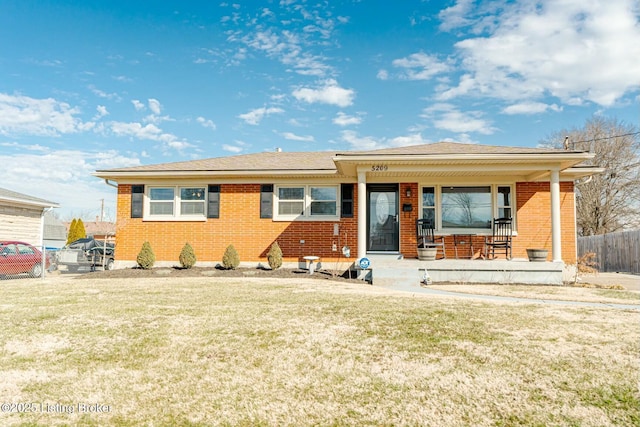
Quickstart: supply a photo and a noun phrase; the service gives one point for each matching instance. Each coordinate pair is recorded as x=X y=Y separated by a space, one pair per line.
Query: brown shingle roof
x=23 y=198
x=321 y=160
x=266 y=161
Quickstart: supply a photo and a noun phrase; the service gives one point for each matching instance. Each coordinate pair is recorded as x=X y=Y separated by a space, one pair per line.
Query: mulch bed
x=280 y=273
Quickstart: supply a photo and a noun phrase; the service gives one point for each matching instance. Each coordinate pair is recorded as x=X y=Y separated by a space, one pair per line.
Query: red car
x=20 y=257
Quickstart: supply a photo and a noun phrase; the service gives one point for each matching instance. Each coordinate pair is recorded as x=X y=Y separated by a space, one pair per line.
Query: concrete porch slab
x=387 y=269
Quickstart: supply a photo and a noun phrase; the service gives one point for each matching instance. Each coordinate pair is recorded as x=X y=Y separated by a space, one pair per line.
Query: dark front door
x=383 y=233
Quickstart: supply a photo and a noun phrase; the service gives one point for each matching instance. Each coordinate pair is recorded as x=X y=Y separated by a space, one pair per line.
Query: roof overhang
x=33 y=204
x=520 y=166
x=197 y=174
x=530 y=167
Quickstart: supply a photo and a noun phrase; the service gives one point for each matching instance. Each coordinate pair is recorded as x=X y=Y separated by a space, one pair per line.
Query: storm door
x=383 y=232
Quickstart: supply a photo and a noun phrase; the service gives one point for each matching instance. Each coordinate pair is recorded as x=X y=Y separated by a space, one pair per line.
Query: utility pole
x=102 y=210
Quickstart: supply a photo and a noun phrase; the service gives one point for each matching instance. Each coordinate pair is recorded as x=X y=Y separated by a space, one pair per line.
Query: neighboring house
x=316 y=203
x=55 y=232
x=99 y=230
x=21 y=217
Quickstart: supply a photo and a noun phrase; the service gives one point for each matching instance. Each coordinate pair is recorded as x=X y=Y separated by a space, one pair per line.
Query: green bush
x=146 y=257
x=230 y=259
x=274 y=256
x=187 y=256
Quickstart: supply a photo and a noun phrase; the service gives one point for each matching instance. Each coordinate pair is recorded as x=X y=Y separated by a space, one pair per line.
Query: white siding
x=22 y=224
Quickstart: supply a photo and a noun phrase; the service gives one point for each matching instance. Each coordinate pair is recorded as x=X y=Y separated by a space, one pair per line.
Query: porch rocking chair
x=500 y=240
x=426 y=237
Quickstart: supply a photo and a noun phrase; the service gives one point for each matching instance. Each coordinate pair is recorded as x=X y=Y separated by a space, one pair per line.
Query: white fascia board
x=29 y=203
x=207 y=174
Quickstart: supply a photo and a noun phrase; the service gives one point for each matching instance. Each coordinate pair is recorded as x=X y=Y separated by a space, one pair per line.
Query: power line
x=605 y=138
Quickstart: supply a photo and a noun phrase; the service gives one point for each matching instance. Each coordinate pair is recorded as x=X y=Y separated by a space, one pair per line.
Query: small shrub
x=588 y=263
x=187 y=256
x=274 y=256
x=230 y=259
x=146 y=257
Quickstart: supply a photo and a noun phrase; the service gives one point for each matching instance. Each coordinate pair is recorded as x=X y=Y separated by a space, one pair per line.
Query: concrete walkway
x=629 y=281
x=426 y=290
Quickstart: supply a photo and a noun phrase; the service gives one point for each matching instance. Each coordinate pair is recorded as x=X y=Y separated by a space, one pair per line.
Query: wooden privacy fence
x=615 y=252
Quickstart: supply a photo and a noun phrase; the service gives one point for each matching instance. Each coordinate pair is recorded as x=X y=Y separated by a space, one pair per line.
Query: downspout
x=106 y=181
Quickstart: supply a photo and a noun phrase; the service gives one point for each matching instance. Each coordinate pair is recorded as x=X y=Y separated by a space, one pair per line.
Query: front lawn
x=243 y=351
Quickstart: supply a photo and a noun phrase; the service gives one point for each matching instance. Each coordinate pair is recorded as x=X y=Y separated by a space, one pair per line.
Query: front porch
x=397 y=271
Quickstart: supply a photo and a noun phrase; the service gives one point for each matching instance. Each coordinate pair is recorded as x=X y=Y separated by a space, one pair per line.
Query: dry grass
x=211 y=351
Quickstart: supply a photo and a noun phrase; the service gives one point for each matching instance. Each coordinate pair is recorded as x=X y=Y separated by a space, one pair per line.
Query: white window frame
x=176 y=216
x=306 y=214
x=495 y=206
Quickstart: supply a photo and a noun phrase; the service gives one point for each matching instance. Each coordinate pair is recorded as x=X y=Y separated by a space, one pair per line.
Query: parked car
x=20 y=257
x=87 y=252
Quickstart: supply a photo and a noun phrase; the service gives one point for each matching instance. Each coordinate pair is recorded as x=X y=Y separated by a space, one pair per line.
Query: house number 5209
x=379 y=168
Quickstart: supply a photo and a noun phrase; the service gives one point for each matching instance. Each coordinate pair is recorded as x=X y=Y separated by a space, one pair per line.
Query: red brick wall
x=533 y=201
x=239 y=224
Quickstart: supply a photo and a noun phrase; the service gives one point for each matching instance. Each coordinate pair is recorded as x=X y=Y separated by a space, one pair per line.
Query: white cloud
x=370 y=143
x=293 y=137
x=530 y=108
x=254 y=117
x=343 y=119
x=154 y=106
x=137 y=130
x=383 y=75
x=575 y=51
x=360 y=143
x=206 y=123
x=330 y=93
x=413 y=139
x=102 y=111
x=22 y=147
x=232 y=148
x=43 y=117
x=103 y=94
x=420 y=66
x=448 y=117
x=64 y=177
x=455 y=16
x=149 y=132
x=139 y=106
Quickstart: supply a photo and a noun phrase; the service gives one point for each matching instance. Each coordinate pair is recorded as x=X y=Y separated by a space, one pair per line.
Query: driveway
x=629 y=281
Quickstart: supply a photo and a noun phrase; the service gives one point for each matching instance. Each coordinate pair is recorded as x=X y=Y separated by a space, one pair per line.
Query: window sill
x=306 y=219
x=175 y=219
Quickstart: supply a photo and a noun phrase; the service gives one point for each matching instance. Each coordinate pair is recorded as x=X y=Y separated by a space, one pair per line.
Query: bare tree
x=610 y=201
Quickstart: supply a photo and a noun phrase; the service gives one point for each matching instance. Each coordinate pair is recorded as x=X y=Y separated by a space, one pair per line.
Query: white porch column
x=556 y=236
x=362 y=214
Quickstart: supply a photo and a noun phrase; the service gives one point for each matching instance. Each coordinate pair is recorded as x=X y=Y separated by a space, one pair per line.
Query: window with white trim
x=466 y=207
x=429 y=203
x=504 y=202
x=470 y=207
x=306 y=202
x=175 y=203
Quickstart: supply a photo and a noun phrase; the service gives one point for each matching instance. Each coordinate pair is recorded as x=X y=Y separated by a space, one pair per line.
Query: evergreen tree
x=81 y=232
x=72 y=231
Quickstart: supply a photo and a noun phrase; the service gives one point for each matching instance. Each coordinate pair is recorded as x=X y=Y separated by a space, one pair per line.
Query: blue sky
x=88 y=85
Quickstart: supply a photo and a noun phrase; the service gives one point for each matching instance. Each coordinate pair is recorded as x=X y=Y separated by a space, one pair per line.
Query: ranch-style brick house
x=319 y=203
